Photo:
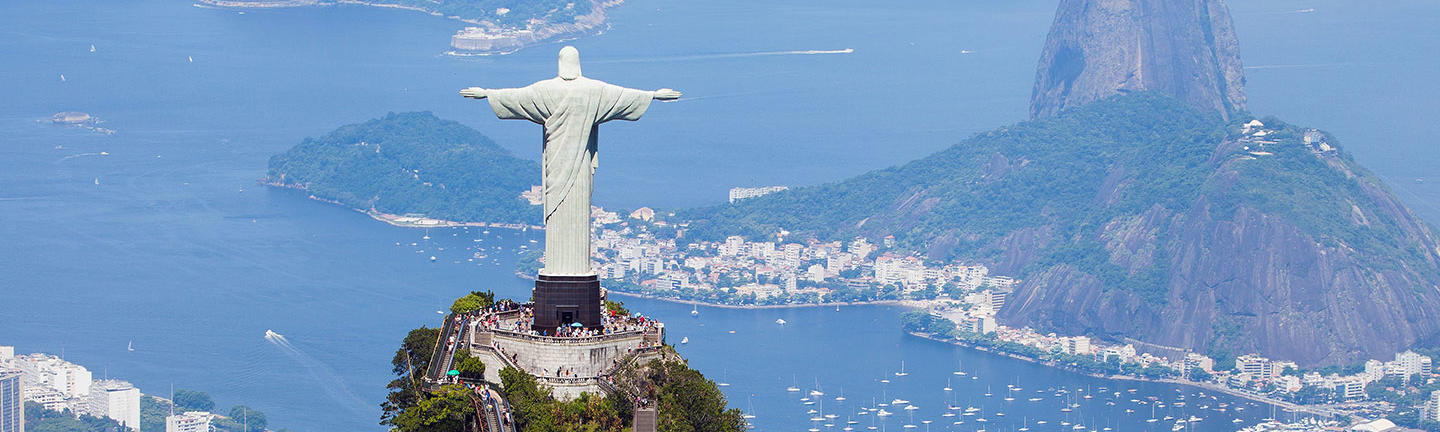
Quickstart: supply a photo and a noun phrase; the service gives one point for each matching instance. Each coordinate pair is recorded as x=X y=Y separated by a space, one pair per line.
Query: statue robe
x=571 y=111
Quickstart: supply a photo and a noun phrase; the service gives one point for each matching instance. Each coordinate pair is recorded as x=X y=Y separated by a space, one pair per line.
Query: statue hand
x=666 y=94
x=473 y=93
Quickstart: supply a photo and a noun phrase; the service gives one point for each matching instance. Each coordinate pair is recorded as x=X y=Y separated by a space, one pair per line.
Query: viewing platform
x=570 y=360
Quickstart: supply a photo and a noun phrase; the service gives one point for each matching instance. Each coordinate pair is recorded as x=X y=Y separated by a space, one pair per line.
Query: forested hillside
x=412 y=163
x=1141 y=217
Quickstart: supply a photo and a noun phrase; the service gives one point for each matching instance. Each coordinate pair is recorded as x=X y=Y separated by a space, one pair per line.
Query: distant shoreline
x=402 y=220
x=1203 y=386
x=517 y=39
x=913 y=304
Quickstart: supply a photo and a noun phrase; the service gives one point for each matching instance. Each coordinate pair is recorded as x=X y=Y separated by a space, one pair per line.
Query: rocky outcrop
x=1099 y=48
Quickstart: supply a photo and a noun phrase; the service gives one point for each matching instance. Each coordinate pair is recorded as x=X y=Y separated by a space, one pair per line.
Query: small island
x=80 y=120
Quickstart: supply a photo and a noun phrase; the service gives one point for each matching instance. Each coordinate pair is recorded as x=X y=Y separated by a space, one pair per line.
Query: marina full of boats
x=968 y=402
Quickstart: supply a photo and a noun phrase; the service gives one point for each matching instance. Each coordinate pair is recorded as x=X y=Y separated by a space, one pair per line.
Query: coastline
x=403 y=220
x=513 y=39
x=1288 y=406
x=913 y=304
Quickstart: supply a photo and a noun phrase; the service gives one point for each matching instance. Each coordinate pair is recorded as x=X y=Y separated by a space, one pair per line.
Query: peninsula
x=412 y=169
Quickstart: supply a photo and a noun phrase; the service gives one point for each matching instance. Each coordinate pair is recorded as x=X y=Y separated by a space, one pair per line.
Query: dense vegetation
x=1069 y=176
x=1049 y=172
x=685 y=402
x=474 y=301
x=39 y=419
x=412 y=163
x=153 y=411
x=537 y=411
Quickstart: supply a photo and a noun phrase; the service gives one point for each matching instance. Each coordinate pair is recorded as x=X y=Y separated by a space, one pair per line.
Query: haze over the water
x=159 y=234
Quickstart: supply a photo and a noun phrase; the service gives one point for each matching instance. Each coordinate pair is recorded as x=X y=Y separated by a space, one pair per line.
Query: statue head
x=569 y=63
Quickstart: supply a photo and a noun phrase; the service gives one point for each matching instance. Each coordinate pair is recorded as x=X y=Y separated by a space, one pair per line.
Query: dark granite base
x=561 y=300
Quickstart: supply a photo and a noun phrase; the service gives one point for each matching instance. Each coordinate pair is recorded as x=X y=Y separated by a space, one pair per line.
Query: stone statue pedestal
x=561 y=300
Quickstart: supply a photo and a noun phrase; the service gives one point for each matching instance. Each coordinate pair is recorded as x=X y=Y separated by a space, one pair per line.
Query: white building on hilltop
x=190 y=421
x=740 y=193
x=116 y=400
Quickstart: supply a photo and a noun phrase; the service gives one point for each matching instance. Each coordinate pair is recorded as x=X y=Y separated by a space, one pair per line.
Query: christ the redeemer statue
x=571 y=107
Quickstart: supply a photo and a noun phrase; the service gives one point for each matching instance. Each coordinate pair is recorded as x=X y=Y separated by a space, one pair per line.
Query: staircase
x=646 y=419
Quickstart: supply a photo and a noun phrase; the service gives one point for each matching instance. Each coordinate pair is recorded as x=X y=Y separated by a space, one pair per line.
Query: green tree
x=470 y=368
x=474 y=301
x=249 y=418
x=617 y=308
x=447 y=410
x=152 y=413
x=190 y=400
x=409 y=364
x=39 y=419
x=689 y=402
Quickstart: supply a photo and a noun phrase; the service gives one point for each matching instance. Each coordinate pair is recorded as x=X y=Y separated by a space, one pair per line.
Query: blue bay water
x=178 y=249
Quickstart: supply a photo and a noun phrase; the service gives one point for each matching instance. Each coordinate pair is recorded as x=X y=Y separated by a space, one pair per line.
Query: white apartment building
x=190 y=421
x=1079 y=345
x=12 y=401
x=71 y=380
x=117 y=400
x=1435 y=405
x=742 y=193
x=1410 y=363
x=734 y=245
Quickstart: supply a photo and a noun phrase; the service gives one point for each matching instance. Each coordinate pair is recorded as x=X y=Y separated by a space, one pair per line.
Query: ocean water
x=160 y=236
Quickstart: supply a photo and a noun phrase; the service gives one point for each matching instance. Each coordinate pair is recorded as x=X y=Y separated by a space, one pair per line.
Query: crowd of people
x=610 y=323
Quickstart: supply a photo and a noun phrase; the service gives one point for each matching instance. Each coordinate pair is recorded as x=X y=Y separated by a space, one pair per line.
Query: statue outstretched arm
x=473 y=93
x=664 y=94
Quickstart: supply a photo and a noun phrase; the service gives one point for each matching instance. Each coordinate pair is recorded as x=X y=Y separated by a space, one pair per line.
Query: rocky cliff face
x=1098 y=48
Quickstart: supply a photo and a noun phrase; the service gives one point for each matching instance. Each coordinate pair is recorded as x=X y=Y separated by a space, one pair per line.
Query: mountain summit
x=1099 y=48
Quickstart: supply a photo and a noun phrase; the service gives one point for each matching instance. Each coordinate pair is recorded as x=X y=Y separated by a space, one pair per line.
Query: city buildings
x=740 y=193
x=1435 y=405
x=117 y=400
x=12 y=402
x=189 y=421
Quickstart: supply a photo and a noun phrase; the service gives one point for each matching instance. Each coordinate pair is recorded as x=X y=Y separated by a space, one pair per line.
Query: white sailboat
x=694 y=310
x=92 y=48
x=131 y=346
x=902 y=372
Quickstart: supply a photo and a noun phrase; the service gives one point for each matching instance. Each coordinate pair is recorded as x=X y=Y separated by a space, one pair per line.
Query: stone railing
x=647 y=334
